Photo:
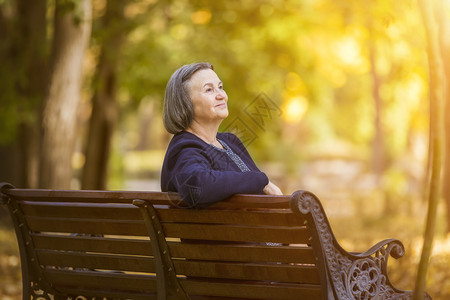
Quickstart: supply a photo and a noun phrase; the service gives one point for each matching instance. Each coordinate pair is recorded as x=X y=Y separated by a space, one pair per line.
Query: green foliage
x=71 y=7
x=255 y=45
x=8 y=123
x=317 y=51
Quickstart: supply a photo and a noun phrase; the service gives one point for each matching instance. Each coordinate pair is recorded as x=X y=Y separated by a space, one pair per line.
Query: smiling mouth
x=221 y=104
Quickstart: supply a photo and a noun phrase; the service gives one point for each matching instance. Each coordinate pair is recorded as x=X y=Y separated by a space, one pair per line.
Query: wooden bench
x=147 y=245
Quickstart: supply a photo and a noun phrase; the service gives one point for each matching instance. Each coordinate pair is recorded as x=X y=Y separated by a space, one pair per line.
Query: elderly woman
x=201 y=164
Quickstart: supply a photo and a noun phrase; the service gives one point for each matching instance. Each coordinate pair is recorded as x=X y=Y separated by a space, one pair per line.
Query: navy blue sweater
x=203 y=174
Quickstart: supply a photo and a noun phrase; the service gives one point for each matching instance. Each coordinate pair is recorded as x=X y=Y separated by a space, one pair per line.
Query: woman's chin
x=224 y=114
x=221 y=113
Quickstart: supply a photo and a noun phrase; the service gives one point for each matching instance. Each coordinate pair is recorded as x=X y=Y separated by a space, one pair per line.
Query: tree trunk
x=444 y=26
x=104 y=108
x=72 y=31
x=378 y=147
x=35 y=59
x=24 y=57
x=437 y=94
x=378 y=142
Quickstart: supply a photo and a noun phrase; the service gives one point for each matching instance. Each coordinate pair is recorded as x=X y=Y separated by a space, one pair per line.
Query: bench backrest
x=66 y=237
x=240 y=253
x=94 y=243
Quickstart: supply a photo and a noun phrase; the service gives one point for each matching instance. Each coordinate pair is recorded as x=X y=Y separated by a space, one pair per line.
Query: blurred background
x=329 y=96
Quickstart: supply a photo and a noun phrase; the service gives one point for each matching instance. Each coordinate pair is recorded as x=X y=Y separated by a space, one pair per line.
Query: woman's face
x=208 y=97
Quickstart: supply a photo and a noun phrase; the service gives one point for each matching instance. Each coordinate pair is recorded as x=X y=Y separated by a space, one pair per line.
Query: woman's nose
x=221 y=94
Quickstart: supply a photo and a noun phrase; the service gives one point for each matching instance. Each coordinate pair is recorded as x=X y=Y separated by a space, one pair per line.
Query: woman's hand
x=272 y=189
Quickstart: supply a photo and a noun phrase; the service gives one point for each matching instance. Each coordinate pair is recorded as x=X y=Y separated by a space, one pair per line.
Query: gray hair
x=178 y=111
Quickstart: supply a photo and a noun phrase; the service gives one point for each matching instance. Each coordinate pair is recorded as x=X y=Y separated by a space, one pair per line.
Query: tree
x=437 y=94
x=72 y=27
x=104 y=107
x=23 y=80
x=444 y=32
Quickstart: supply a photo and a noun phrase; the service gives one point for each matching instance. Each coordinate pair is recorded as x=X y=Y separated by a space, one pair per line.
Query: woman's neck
x=206 y=133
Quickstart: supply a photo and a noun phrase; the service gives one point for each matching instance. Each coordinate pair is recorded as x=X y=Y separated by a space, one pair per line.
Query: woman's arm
x=270 y=188
x=199 y=185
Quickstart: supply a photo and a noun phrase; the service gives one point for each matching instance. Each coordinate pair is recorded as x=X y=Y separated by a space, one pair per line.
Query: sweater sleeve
x=199 y=185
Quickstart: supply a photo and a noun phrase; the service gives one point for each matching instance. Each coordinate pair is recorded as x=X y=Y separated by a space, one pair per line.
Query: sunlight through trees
x=347 y=82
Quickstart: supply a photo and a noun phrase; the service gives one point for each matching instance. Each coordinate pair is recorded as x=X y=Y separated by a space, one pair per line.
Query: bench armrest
x=350 y=275
x=393 y=247
x=4 y=198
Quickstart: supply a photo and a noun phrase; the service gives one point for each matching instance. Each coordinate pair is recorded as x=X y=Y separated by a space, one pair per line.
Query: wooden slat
x=93 y=244
x=268 y=290
x=96 y=261
x=130 y=212
x=240 y=252
x=108 y=294
x=288 y=235
x=172 y=199
x=87 y=226
x=215 y=298
x=254 y=202
x=44 y=195
x=268 y=218
x=101 y=280
x=81 y=210
x=248 y=271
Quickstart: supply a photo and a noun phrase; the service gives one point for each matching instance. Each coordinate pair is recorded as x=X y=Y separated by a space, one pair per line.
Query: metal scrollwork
x=353 y=276
x=304 y=204
x=337 y=263
x=38 y=294
x=363 y=279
